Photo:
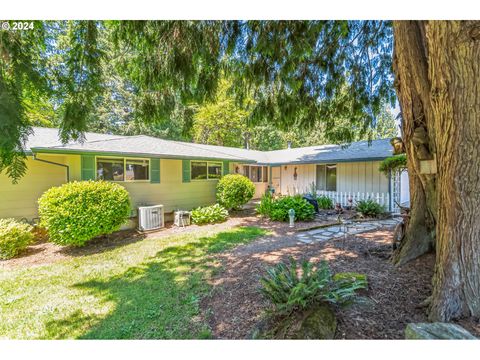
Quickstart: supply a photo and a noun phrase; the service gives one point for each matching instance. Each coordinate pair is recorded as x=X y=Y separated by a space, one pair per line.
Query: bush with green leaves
x=370 y=208
x=266 y=204
x=76 y=212
x=14 y=237
x=209 y=214
x=277 y=209
x=324 y=202
x=393 y=163
x=234 y=190
x=290 y=287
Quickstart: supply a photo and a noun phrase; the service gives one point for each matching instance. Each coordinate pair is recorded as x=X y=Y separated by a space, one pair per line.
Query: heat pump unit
x=181 y=218
x=150 y=217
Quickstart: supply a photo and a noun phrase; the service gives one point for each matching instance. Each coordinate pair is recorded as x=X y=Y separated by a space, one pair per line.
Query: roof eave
x=329 y=161
x=131 y=154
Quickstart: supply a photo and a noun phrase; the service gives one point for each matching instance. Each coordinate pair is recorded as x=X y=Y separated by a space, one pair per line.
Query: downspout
x=54 y=163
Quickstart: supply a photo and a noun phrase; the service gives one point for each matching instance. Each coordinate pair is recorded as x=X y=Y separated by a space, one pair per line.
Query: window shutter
x=225 y=168
x=186 y=170
x=155 y=170
x=88 y=167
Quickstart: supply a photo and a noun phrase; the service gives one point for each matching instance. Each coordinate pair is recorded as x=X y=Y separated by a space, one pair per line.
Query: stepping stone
x=322 y=238
x=306 y=241
x=334 y=228
x=313 y=232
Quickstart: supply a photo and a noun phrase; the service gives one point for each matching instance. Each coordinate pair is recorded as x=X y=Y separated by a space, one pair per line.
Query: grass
x=146 y=290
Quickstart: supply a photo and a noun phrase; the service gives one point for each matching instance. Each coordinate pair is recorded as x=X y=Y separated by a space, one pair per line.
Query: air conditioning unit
x=181 y=218
x=150 y=217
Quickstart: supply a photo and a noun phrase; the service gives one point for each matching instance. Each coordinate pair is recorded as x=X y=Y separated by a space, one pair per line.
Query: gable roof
x=47 y=140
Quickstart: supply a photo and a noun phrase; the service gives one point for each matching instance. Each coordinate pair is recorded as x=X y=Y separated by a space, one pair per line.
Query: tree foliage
x=296 y=72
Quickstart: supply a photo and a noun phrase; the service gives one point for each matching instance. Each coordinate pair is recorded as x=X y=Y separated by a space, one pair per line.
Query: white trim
x=124 y=168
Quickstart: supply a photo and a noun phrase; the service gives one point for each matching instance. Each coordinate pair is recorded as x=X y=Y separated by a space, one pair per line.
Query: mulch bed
x=43 y=252
x=235 y=306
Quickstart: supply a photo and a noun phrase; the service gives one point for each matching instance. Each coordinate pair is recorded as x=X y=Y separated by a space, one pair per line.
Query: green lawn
x=145 y=290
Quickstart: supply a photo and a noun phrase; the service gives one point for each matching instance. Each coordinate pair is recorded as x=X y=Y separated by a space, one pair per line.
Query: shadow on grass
x=105 y=243
x=158 y=299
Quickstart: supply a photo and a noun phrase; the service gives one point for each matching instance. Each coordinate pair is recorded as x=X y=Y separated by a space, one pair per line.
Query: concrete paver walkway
x=336 y=231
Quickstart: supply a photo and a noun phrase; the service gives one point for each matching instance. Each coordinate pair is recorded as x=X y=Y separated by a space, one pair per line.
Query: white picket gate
x=343 y=197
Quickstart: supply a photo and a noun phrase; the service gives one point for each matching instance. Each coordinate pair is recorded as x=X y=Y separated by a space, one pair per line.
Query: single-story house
x=183 y=175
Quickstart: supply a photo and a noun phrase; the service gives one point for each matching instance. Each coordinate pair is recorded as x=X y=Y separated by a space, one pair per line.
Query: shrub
x=209 y=214
x=14 y=237
x=288 y=290
x=277 y=209
x=324 y=202
x=234 y=190
x=76 y=212
x=392 y=163
x=370 y=208
x=266 y=204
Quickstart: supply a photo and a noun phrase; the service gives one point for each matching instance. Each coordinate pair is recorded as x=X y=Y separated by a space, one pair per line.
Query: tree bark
x=413 y=90
x=454 y=69
x=437 y=73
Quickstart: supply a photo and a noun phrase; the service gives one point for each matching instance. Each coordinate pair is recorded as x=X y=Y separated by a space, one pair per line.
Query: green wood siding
x=225 y=167
x=155 y=170
x=185 y=171
x=88 y=167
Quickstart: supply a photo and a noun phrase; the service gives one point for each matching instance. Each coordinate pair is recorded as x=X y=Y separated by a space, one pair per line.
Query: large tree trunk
x=454 y=70
x=437 y=67
x=413 y=92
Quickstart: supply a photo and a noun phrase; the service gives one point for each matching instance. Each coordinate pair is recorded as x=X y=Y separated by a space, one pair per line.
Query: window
x=121 y=169
x=206 y=170
x=257 y=174
x=110 y=169
x=327 y=177
x=331 y=176
x=136 y=170
x=214 y=170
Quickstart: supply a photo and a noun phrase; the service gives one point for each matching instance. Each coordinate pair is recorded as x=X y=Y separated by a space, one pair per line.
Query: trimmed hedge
x=209 y=214
x=14 y=237
x=234 y=190
x=76 y=212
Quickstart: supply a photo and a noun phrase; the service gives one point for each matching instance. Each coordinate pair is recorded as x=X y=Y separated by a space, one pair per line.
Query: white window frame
x=124 y=168
x=208 y=162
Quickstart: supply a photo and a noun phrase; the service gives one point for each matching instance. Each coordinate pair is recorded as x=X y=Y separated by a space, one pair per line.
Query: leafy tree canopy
x=296 y=72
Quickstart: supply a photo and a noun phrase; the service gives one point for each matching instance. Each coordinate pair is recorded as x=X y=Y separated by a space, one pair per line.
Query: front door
x=276 y=179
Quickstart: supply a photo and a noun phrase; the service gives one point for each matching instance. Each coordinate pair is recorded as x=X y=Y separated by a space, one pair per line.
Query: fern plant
x=370 y=208
x=289 y=289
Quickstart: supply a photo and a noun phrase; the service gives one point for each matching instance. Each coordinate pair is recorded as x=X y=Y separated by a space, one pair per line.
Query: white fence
x=343 y=197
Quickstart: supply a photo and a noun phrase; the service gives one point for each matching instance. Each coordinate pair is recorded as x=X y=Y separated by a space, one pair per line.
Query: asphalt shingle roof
x=142 y=145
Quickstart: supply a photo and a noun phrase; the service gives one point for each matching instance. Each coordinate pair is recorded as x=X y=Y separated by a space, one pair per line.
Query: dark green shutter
x=226 y=168
x=155 y=170
x=88 y=167
x=186 y=170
